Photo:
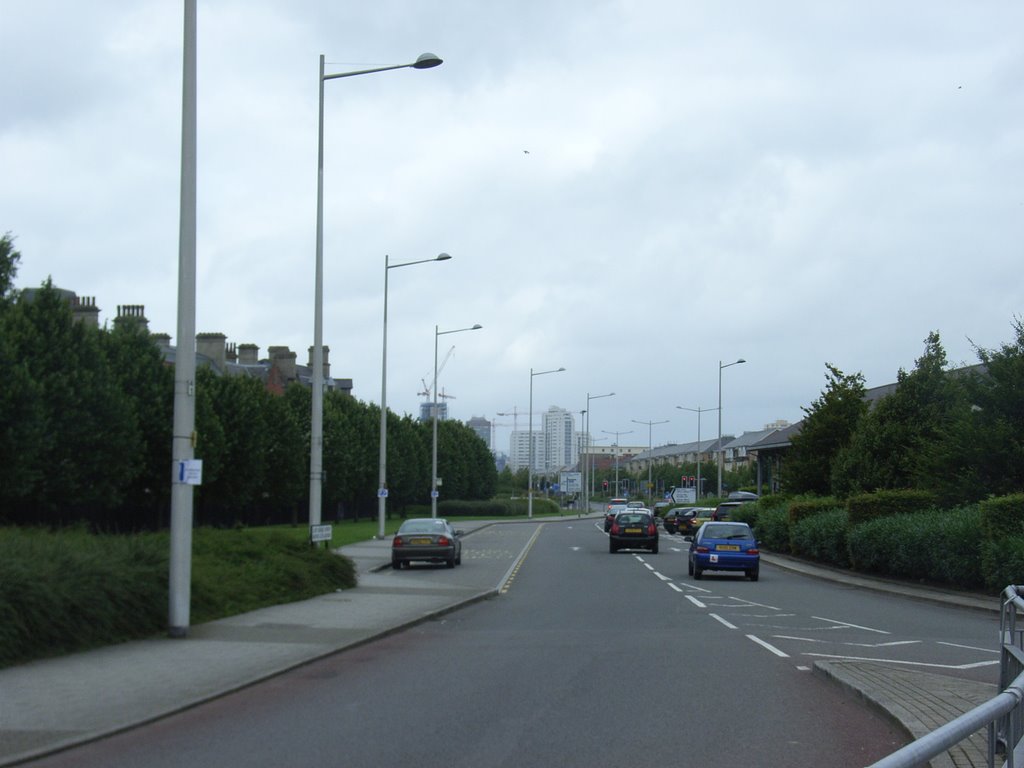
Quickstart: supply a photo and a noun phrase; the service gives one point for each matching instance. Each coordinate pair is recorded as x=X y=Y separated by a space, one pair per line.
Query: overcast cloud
x=634 y=190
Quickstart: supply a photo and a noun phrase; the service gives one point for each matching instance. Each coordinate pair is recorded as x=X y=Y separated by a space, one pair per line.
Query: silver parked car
x=426 y=539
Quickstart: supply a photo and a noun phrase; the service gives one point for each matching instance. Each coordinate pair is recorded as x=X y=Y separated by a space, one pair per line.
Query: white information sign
x=684 y=495
x=320 y=533
x=570 y=482
x=190 y=472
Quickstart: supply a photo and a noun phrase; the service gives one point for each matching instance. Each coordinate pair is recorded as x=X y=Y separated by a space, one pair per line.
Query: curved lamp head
x=426 y=61
x=442 y=257
x=476 y=327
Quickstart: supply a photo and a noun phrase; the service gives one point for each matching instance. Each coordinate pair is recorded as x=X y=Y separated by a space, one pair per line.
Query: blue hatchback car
x=725 y=546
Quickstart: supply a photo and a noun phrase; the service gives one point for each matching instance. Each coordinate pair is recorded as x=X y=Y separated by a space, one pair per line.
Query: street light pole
x=529 y=464
x=184 y=412
x=316 y=422
x=617 y=447
x=433 y=463
x=586 y=488
x=698 y=410
x=382 y=463
x=721 y=453
x=650 y=449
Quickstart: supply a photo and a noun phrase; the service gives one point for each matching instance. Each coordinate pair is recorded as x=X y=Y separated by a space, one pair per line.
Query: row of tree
x=85 y=433
x=959 y=433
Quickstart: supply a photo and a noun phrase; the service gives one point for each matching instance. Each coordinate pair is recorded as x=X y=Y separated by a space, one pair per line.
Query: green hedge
x=939 y=546
x=497 y=508
x=869 y=506
x=821 y=537
x=1003 y=562
x=772 y=529
x=1002 y=517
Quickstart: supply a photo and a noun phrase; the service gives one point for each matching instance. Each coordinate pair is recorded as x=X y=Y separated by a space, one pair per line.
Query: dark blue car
x=725 y=546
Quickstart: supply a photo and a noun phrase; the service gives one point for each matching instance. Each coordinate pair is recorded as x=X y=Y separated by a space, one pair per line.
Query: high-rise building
x=561 y=443
x=482 y=427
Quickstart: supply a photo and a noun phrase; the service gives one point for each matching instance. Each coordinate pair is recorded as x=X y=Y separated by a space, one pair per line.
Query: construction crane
x=427 y=387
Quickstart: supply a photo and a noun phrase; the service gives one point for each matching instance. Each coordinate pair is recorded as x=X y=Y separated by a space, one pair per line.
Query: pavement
x=53 y=704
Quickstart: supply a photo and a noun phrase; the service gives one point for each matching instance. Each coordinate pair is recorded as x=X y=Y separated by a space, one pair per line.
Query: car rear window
x=634 y=518
x=729 y=532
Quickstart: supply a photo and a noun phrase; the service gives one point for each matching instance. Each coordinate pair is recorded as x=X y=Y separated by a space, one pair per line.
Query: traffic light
x=605 y=484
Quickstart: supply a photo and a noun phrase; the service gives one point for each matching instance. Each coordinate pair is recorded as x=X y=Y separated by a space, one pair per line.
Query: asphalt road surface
x=586 y=659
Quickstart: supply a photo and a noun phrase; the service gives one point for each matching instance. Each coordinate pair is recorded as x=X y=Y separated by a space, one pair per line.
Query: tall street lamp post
x=316 y=422
x=721 y=453
x=382 y=464
x=529 y=464
x=184 y=415
x=650 y=449
x=617 y=446
x=433 y=462
x=586 y=488
x=698 y=410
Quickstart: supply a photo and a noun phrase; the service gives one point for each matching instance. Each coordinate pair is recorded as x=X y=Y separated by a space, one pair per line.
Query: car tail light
x=703 y=550
x=652 y=529
x=753 y=551
x=615 y=527
x=397 y=541
x=443 y=541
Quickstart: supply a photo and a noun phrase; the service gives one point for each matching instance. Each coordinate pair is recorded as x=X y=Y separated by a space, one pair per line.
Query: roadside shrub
x=941 y=546
x=799 y=509
x=747 y=513
x=1002 y=517
x=1002 y=562
x=868 y=506
x=773 y=529
x=821 y=537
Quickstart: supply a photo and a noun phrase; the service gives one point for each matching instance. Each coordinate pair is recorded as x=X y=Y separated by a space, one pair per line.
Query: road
x=586 y=659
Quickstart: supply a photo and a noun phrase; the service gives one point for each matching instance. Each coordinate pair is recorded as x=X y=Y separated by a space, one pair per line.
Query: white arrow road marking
x=973 y=665
x=575 y=549
x=695 y=601
x=677 y=589
x=718 y=618
x=855 y=645
x=768 y=646
x=855 y=626
x=968 y=647
x=663 y=578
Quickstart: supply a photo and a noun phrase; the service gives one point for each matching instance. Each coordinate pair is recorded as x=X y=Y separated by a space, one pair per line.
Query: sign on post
x=570 y=482
x=320 y=533
x=684 y=495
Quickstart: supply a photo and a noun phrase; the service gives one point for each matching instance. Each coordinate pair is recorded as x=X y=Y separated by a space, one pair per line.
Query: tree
x=9 y=259
x=89 y=452
x=828 y=425
x=980 y=452
x=885 y=450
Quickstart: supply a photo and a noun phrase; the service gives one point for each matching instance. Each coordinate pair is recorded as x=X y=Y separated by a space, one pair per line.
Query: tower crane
x=427 y=387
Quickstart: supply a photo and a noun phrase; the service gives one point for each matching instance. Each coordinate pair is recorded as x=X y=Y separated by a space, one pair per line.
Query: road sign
x=684 y=495
x=320 y=533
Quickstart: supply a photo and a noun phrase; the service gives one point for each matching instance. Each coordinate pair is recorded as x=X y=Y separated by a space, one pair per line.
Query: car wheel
x=697 y=572
x=396 y=564
x=458 y=560
x=654 y=549
x=450 y=562
x=612 y=549
x=689 y=568
x=753 y=574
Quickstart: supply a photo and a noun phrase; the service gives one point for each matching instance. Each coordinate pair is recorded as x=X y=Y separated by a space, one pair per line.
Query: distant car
x=724 y=547
x=724 y=510
x=661 y=508
x=633 y=529
x=427 y=539
x=614 y=507
x=701 y=516
x=635 y=505
x=674 y=520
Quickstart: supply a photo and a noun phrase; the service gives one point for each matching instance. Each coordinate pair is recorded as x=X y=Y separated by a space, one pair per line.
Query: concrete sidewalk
x=51 y=704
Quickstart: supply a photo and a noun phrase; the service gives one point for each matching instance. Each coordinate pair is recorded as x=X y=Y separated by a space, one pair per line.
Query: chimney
x=212 y=345
x=327 y=363
x=248 y=354
x=231 y=353
x=132 y=313
x=85 y=311
x=284 y=359
x=163 y=341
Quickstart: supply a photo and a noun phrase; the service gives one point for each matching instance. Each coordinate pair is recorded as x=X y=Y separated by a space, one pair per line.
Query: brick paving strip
x=920 y=702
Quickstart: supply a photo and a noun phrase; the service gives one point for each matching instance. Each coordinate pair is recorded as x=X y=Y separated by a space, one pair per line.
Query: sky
x=639 y=191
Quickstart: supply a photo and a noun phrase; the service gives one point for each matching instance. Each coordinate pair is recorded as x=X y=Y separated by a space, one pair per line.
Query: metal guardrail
x=1002 y=716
